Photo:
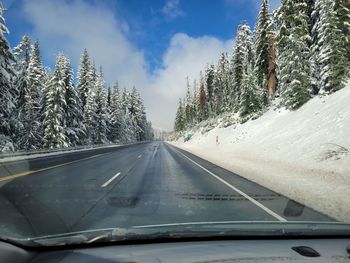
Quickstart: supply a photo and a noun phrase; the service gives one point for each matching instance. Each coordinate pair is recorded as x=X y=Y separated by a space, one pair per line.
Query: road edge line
x=267 y=210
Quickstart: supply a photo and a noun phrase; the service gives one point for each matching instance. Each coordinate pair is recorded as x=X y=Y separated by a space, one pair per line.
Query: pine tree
x=73 y=119
x=22 y=58
x=48 y=74
x=30 y=110
x=116 y=115
x=108 y=113
x=294 y=53
x=149 y=133
x=89 y=110
x=249 y=99
x=330 y=46
x=222 y=91
x=128 y=128
x=109 y=93
x=54 y=133
x=125 y=101
x=85 y=78
x=7 y=94
x=101 y=110
x=180 y=118
x=342 y=8
x=243 y=57
x=195 y=103
x=315 y=50
x=203 y=114
x=137 y=111
x=264 y=36
x=188 y=106
x=210 y=90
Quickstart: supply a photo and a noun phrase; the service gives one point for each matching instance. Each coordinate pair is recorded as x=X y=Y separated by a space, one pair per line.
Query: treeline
x=299 y=51
x=44 y=109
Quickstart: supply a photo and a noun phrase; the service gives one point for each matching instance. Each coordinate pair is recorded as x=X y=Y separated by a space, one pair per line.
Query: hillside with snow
x=303 y=154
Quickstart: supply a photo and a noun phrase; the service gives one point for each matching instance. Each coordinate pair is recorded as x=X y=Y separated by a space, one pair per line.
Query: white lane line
x=267 y=210
x=110 y=180
x=138 y=157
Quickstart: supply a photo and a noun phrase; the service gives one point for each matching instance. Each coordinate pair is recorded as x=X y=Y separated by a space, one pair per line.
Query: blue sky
x=154 y=45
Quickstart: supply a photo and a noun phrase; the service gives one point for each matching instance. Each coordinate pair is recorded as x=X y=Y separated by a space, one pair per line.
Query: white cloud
x=70 y=26
x=185 y=57
x=171 y=9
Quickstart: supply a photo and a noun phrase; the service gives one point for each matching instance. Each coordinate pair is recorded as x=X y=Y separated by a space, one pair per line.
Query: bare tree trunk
x=272 y=80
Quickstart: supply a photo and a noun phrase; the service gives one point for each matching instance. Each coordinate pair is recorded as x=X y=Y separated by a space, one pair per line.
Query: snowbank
x=302 y=154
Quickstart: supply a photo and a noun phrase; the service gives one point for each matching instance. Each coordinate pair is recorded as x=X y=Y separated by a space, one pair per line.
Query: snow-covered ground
x=302 y=154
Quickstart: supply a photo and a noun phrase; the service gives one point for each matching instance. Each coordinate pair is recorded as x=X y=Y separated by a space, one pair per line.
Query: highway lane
x=20 y=166
x=144 y=184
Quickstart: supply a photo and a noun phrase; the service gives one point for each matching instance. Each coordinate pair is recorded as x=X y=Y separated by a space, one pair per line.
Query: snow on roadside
x=302 y=154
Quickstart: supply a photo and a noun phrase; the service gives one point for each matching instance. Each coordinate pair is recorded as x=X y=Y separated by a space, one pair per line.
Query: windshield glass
x=169 y=118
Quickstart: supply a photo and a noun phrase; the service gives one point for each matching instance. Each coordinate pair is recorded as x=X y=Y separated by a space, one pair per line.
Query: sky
x=153 y=45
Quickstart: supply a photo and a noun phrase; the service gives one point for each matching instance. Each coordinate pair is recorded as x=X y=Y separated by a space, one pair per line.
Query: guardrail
x=43 y=151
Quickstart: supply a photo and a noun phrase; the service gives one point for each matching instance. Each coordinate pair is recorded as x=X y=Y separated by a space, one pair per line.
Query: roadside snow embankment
x=302 y=154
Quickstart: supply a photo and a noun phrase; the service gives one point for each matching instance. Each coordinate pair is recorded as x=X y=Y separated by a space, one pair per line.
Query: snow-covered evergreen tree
x=128 y=127
x=7 y=93
x=222 y=88
x=203 y=109
x=116 y=114
x=195 y=102
x=101 y=110
x=188 y=106
x=294 y=53
x=210 y=89
x=243 y=57
x=249 y=99
x=73 y=121
x=263 y=36
x=22 y=59
x=315 y=50
x=90 y=117
x=180 y=118
x=149 y=133
x=85 y=78
x=108 y=113
x=31 y=135
x=137 y=111
x=330 y=47
x=54 y=130
x=342 y=8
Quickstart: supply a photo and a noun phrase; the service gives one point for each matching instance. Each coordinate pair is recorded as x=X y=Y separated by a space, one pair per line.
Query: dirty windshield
x=170 y=118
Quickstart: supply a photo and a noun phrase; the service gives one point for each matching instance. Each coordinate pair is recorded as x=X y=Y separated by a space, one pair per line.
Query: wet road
x=137 y=185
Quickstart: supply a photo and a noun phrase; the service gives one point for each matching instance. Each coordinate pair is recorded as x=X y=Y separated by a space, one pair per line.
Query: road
x=138 y=185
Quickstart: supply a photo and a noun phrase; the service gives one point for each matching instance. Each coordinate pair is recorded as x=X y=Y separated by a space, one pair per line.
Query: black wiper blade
x=192 y=230
x=61 y=241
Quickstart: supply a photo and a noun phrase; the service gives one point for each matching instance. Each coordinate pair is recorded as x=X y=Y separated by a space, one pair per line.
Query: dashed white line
x=267 y=210
x=110 y=180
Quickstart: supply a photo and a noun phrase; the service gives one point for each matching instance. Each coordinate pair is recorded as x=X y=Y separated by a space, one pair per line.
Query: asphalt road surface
x=144 y=184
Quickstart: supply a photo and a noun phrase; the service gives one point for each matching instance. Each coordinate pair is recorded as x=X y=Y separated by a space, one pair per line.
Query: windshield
x=124 y=120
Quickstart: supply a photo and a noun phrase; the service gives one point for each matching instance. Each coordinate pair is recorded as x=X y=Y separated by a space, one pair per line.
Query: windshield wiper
x=192 y=230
